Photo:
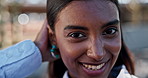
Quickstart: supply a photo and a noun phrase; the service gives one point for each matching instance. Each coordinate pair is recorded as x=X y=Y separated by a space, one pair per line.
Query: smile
x=93 y=67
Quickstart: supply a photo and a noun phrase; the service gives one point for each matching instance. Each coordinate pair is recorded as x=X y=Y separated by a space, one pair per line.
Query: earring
x=52 y=50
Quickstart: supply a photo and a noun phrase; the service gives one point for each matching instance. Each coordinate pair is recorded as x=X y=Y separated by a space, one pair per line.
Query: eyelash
x=110 y=32
x=76 y=35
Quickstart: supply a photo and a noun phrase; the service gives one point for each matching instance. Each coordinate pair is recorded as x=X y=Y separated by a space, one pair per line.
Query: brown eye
x=110 y=31
x=76 y=35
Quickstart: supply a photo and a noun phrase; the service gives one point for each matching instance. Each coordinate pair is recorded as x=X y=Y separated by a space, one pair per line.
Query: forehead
x=87 y=10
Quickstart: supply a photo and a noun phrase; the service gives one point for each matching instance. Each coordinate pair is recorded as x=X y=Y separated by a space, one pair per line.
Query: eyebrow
x=75 y=27
x=114 y=22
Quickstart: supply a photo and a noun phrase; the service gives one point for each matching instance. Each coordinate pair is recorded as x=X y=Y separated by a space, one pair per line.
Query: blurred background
x=22 y=19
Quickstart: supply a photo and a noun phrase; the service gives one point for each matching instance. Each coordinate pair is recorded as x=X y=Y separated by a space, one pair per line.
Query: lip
x=96 y=72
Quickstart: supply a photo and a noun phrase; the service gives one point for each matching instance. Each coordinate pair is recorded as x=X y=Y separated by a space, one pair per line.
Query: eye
x=76 y=35
x=110 y=31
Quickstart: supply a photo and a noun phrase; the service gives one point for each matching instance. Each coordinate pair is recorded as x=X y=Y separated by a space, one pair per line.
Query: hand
x=42 y=41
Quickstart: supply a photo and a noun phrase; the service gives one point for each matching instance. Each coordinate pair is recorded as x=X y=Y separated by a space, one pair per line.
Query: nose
x=96 y=50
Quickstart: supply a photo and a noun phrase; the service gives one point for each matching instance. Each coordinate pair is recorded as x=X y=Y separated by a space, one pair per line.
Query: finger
x=43 y=33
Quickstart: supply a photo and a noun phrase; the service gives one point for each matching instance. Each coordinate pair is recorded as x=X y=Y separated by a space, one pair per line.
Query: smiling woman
x=84 y=38
x=88 y=36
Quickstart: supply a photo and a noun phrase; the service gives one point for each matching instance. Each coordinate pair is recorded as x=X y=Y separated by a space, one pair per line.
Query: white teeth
x=89 y=67
x=94 y=67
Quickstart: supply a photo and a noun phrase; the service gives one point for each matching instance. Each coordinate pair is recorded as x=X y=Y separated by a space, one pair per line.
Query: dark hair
x=57 y=68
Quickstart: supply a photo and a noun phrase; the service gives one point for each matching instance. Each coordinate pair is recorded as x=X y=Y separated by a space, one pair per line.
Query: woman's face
x=89 y=38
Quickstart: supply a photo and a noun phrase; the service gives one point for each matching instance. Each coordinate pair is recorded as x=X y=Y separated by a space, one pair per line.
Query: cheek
x=114 y=46
x=70 y=52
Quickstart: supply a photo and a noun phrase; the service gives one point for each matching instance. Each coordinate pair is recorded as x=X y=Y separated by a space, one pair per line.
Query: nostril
x=89 y=53
x=95 y=55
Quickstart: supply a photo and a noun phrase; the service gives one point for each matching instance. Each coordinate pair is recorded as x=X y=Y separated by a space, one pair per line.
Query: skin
x=88 y=32
x=43 y=42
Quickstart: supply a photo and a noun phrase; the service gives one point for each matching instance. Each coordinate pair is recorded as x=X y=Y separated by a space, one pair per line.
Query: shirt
x=19 y=60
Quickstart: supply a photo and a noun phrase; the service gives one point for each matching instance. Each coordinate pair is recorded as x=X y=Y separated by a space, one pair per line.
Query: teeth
x=93 y=67
x=89 y=67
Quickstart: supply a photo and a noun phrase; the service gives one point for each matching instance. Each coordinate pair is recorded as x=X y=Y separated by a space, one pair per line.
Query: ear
x=52 y=36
